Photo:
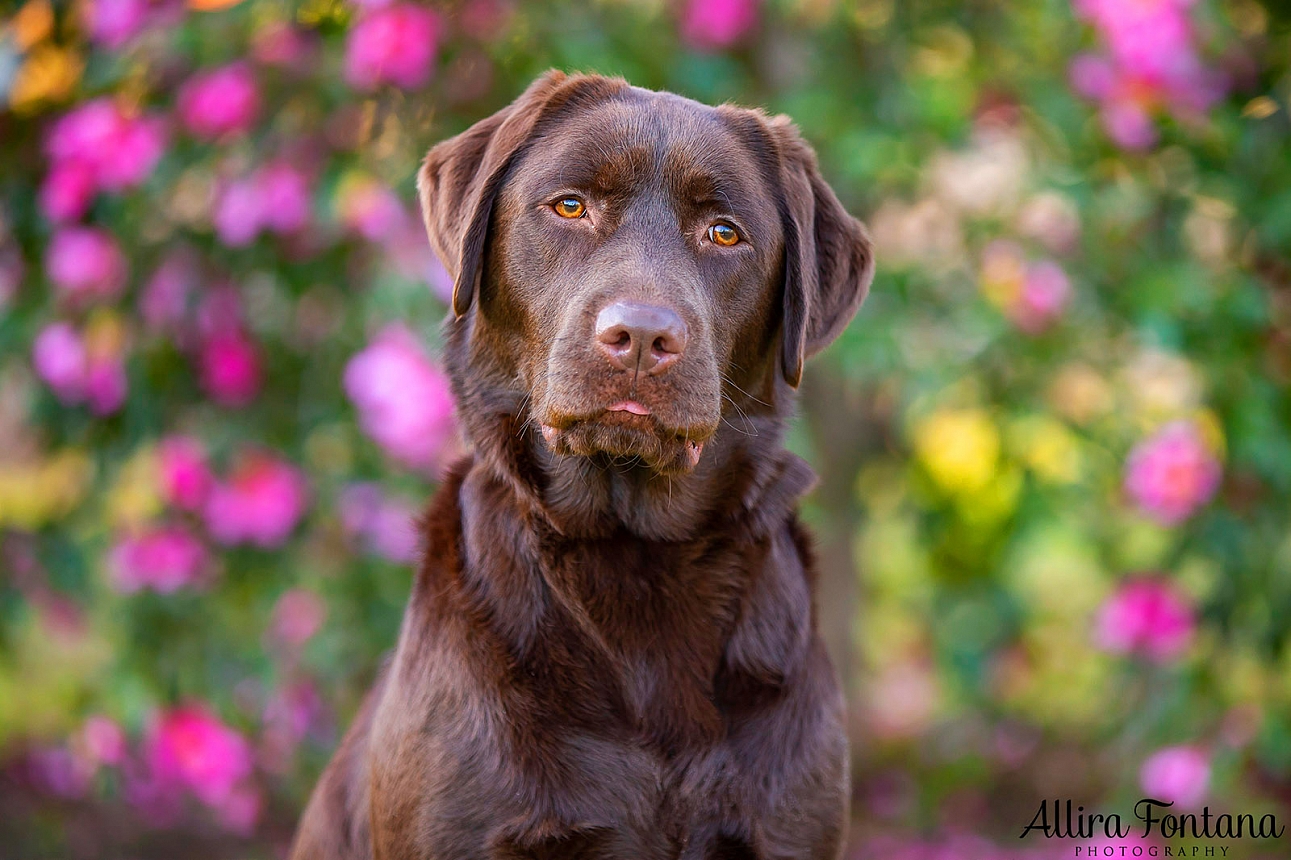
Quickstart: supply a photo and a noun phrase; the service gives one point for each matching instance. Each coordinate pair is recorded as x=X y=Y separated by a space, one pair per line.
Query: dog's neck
x=680 y=621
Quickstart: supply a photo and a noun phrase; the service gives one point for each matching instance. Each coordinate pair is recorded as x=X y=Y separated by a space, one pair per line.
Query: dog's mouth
x=627 y=432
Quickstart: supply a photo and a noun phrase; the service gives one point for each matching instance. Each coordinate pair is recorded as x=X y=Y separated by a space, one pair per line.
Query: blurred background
x=1055 y=513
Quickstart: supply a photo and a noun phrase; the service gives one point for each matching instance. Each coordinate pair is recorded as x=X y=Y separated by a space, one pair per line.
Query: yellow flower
x=33 y=494
x=1048 y=448
x=959 y=448
x=49 y=73
x=33 y=23
x=134 y=497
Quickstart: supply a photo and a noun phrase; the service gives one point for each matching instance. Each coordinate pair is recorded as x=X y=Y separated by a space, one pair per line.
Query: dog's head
x=632 y=265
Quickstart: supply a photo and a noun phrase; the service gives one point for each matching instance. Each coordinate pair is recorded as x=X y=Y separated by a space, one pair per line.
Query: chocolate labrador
x=610 y=649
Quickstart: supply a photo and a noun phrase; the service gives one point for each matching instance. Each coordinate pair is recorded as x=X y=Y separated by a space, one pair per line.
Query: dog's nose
x=639 y=337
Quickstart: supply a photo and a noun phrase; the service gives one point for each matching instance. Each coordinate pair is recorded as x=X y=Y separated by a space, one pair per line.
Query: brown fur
x=610 y=652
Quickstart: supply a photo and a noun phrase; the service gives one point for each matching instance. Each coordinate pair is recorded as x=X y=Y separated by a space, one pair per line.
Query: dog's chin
x=629 y=440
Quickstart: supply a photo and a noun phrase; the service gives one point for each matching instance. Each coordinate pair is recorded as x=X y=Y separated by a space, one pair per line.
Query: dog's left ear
x=459 y=179
x=828 y=258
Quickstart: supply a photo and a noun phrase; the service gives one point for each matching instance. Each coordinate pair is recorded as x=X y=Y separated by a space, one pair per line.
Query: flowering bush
x=1055 y=446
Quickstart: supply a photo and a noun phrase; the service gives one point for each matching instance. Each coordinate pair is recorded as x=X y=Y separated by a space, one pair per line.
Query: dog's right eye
x=570 y=207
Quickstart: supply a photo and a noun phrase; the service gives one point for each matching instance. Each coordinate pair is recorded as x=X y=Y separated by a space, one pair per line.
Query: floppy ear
x=460 y=177
x=828 y=259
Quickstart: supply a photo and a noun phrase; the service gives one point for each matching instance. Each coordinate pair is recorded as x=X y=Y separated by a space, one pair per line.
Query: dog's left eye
x=724 y=235
x=570 y=207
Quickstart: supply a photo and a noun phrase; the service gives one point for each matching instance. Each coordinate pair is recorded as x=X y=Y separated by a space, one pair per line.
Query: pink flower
x=240 y=811
x=164 y=558
x=185 y=477
x=370 y=209
x=260 y=504
x=221 y=102
x=86 y=265
x=1092 y=76
x=1152 y=65
x=292 y=713
x=67 y=191
x=113 y=23
x=105 y=384
x=1180 y=774
x=395 y=44
x=280 y=44
x=1172 y=473
x=297 y=616
x=12 y=270
x=188 y=747
x=139 y=145
x=76 y=375
x=285 y=197
x=59 y=358
x=717 y=24
x=276 y=197
x=98 y=146
x=163 y=303
x=384 y=526
x=1128 y=125
x=1043 y=297
x=103 y=740
x=1146 y=616
x=404 y=401
x=230 y=368
x=60 y=772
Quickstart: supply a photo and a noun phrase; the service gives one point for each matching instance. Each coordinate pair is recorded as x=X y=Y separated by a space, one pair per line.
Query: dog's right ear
x=460 y=177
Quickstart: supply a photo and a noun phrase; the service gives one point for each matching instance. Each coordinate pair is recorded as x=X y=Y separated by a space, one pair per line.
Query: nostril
x=624 y=340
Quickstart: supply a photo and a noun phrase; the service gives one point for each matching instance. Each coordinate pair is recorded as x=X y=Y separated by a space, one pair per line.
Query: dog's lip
x=629 y=406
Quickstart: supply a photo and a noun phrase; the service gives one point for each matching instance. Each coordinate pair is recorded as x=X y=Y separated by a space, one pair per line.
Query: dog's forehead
x=640 y=135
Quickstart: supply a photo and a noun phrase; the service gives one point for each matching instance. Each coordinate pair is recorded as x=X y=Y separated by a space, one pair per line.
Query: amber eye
x=723 y=234
x=570 y=207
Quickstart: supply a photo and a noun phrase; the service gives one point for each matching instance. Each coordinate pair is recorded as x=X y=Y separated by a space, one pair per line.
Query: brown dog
x=610 y=650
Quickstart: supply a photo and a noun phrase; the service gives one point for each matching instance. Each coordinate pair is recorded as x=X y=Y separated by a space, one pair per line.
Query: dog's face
x=632 y=262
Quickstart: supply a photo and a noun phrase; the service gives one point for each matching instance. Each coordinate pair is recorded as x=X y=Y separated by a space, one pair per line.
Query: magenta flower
x=229 y=365
x=404 y=401
x=113 y=23
x=1152 y=65
x=59 y=358
x=97 y=146
x=395 y=44
x=189 y=747
x=1180 y=774
x=67 y=191
x=1172 y=473
x=185 y=476
x=221 y=102
x=86 y=265
x=163 y=558
x=259 y=504
x=297 y=616
x=712 y=25
x=1148 y=616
